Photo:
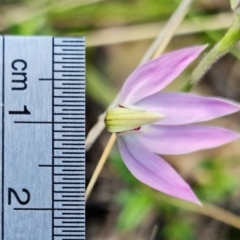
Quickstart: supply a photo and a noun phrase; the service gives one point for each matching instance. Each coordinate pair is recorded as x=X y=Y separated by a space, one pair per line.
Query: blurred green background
x=118 y=32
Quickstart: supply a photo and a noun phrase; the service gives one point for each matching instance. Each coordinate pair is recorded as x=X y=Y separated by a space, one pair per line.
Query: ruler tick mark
x=68 y=71
x=73 y=41
x=68 y=45
x=71 y=67
x=66 y=174
x=59 y=62
x=67 y=54
x=73 y=75
x=70 y=50
x=71 y=196
x=64 y=92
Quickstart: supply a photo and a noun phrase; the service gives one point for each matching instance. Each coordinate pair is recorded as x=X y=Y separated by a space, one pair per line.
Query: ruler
x=42 y=138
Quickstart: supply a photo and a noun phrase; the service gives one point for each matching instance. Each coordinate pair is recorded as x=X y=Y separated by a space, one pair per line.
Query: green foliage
x=109 y=12
x=98 y=88
x=216 y=184
x=67 y=16
x=30 y=27
x=135 y=208
x=179 y=229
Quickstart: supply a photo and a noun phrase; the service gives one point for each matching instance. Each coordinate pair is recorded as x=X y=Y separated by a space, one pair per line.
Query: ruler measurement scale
x=68 y=148
x=55 y=205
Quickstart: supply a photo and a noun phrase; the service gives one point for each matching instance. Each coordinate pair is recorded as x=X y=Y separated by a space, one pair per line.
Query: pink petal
x=183 y=108
x=184 y=139
x=153 y=170
x=157 y=74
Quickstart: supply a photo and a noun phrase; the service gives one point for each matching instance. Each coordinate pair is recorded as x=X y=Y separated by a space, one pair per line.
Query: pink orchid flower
x=170 y=118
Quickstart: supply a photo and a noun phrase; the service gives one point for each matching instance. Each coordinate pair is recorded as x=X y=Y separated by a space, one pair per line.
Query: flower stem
x=220 y=49
x=100 y=165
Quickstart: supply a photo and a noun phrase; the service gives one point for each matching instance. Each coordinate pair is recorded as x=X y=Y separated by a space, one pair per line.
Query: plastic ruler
x=42 y=168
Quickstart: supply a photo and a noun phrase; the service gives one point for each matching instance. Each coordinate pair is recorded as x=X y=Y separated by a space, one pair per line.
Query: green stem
x=220 y=49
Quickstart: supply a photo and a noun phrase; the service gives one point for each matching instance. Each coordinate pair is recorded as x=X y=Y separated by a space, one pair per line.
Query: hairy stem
x=220 y=49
